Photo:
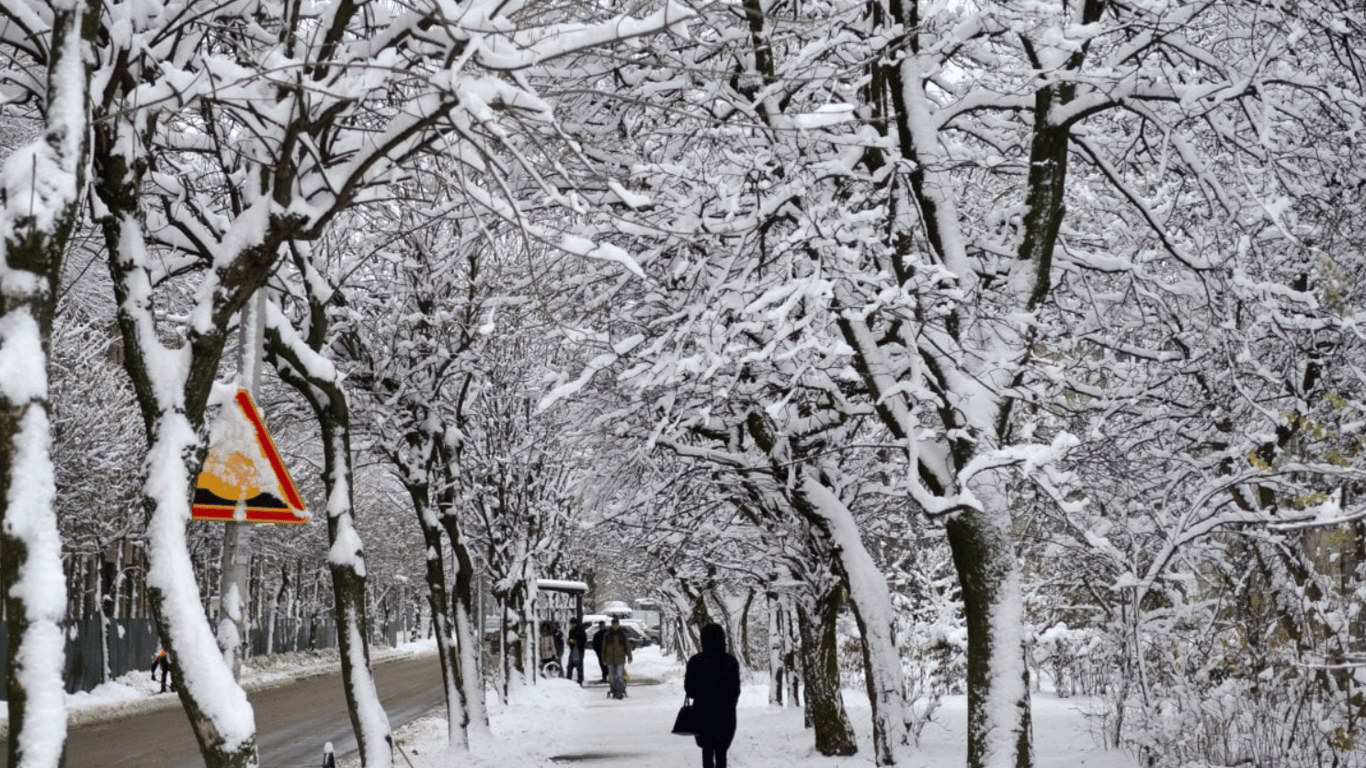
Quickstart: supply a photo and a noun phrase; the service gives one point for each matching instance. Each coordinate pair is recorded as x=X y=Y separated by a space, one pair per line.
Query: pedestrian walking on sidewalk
x=616 y=651
x=162 y=664
x=578 y=644
x=712 y=681
x=597 y=647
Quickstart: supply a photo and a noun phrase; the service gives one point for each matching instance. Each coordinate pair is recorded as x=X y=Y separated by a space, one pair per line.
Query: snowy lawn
x=556 y=723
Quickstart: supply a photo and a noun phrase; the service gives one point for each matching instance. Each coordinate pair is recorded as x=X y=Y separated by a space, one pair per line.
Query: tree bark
x=442 y=623
x=872 y=607
x=469 y=653
x=998 y=679
x=777 y=629
x=37 y=227
x=820 y=668
x=346 y=560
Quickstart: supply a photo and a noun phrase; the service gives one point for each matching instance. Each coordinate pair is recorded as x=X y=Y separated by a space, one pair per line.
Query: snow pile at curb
x=135 y=692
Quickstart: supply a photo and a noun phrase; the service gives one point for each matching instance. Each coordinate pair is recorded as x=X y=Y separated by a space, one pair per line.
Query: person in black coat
x=597 y=647
x=713 y=683
x=578 y=646
x=162 y=664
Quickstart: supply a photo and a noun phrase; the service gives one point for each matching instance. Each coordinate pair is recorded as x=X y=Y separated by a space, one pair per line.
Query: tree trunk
x=468 y=637
x=280 y=596
x=742 y=640
x=346 y=560
x=347 y=564
x=820 y=668
x=173 y=399
x=872 y=607
x=444 y=625
x=37 y=225
x=777 y=627
x=222 y=719
x=993 y=606
x=102 y=616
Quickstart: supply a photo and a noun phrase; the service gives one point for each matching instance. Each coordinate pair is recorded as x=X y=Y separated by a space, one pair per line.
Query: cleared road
x=293 y=721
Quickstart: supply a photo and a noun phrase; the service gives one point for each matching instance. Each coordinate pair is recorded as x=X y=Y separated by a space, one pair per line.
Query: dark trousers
x=713 y=757
x=575 y=665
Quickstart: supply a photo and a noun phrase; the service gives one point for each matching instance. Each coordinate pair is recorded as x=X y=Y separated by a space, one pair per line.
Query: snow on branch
x=503 y=49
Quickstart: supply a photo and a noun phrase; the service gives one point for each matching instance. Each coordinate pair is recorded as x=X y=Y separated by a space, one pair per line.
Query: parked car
x=492 y=628
x=637 y=634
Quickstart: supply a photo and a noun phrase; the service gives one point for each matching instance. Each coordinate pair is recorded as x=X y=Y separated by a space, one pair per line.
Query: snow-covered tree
x=48 y=50
x=301 y=364
x=920 y=195
x=409 y=333
x=228 y=133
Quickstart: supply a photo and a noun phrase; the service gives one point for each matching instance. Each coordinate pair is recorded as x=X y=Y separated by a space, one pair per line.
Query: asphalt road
x=293 y=721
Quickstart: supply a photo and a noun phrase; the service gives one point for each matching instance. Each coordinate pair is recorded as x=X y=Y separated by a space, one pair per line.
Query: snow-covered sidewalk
x=557 y=723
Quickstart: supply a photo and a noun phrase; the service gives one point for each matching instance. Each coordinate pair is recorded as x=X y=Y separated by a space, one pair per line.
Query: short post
x=329 y=759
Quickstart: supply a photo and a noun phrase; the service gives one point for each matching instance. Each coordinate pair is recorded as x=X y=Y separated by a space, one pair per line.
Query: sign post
x=244 y=481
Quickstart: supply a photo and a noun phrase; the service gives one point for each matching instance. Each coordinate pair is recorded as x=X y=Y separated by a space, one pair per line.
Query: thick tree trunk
x=872 y=608
x=442 y=621
x=820 y=667
x=468 y=639
x=30 y=556
x=37 y=224
x=222 y=719
x=993 y=606
x=347 y=564
x=173 y=402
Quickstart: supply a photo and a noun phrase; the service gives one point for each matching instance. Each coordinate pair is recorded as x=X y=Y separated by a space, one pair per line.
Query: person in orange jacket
x=162 y=663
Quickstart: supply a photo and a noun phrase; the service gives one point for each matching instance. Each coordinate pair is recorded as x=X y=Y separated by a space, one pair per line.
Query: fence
x=133 y=643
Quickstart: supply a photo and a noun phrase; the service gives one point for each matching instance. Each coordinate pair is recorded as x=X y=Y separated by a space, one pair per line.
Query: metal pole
x=234 y=624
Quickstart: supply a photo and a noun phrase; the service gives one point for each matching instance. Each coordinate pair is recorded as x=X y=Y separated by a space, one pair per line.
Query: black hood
x=713 y=640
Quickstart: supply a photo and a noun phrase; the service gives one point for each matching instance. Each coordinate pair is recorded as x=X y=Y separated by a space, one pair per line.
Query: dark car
x=492 y=629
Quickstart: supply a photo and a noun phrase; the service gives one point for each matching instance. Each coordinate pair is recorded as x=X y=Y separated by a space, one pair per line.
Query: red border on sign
x=263 y=437
x=229 y=514
x=223 y=513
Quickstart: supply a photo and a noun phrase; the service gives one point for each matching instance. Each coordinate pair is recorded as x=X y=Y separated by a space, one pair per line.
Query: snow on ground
x=137 y=692
x=556 y=723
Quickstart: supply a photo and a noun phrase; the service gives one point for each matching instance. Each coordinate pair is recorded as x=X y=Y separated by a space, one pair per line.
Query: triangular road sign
x=244 y=470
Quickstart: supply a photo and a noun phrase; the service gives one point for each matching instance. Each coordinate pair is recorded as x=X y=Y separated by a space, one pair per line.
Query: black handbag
x=687 y=722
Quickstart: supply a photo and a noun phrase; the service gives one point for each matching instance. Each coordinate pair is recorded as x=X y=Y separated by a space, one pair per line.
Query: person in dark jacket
x=162 y=664
x=597 y=647
x=616 y=651
x=713 y=683
x=578 y=645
